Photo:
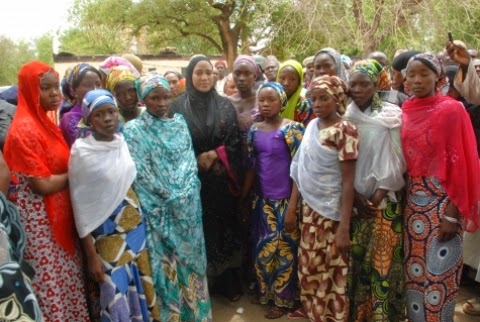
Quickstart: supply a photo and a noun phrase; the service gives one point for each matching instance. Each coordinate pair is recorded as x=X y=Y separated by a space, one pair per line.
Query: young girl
x=169 y=190
x=108 y=216
x=323 y=173
x=290 y=76
x=272 y=143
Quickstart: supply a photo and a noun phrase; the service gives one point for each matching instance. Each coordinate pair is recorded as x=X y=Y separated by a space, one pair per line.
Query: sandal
x=275 y=312
x=472 y=307
x=298 y=314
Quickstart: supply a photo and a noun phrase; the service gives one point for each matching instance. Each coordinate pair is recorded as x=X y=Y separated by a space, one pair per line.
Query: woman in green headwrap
x=376 y=278
x=290 y=76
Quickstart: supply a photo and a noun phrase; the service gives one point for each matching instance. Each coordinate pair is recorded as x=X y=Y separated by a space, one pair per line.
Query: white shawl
x=100 y=174
x=380 y=163
x=316 y=171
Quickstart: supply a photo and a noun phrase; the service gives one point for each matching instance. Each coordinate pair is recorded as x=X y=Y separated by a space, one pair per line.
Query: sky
x=28 y=19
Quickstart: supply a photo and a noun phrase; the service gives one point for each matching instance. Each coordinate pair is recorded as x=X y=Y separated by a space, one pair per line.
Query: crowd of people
x=335 y=189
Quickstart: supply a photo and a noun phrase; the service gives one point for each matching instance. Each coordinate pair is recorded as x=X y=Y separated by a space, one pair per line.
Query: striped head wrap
x=118 y=74
x=280 y=91
x=94 y=99
x=433 y=63
x=249 y=60
x=148 y=83
x=334 y=86
x=75 y=76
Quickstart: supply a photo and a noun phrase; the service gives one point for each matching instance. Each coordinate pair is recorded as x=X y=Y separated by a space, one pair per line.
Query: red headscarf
x=35 y=147
x=438 y=141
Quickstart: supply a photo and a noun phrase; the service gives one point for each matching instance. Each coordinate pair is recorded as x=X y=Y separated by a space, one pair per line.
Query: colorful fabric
x=113 y=61
x=275 y=249
x=334 y=86
x=35 y=147
x=59 y=280
x=128 y=294
x=118 y=74
x=337 y=58
x=446 y=156
x=148 y=83
x=377 y=74
x=289 y=111
x=433 y=268
x=17 y=300
x=75 y=77
x=246 y=59
x=173 y=210
x=322 y=269
x=376 y=288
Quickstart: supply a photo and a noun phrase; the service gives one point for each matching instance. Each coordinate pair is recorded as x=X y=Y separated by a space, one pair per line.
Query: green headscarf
x=289 y=111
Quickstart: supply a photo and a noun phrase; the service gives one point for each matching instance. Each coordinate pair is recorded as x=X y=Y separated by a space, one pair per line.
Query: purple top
x=272 y=163
x=69 y=124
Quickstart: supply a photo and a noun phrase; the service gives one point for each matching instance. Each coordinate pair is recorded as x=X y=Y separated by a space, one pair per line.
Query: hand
x=447 y=231
x=458 y=53
x=342 y=240
x=364 y=207
x=95 y=268
x=205 y=160
x=290 y=222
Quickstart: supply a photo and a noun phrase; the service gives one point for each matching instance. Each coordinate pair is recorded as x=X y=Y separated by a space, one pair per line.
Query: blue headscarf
x=148 y=83
x=94 y=99
x=280 y=91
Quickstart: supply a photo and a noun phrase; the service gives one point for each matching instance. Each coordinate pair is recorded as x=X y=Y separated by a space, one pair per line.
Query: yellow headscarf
x=289 y=111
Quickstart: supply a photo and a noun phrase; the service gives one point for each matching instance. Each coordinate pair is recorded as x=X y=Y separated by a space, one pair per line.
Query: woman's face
x=230 y=88
x=421 y=80
x=289 y=79
x=50 y=93
x=202 y=77
x=323 y=104
x=324 y=65
x=397 y=80
x=89 y=82
x=244 y=77
x=362 y=89
x=174 y=82
x=269 y=102
x=158 y=102
x=104 y=121
x=126 y=95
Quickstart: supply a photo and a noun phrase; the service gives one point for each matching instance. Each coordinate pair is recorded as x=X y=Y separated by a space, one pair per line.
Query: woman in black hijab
x=213 y=126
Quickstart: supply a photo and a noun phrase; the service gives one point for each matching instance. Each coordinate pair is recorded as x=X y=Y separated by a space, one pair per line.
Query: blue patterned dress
x=169 y=191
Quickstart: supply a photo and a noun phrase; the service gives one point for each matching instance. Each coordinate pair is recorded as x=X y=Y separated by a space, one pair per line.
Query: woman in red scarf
x=37 y=154
x=442 y=191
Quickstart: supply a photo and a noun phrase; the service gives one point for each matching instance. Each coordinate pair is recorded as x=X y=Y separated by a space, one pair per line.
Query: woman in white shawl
x=376 y=282
x=108 y=216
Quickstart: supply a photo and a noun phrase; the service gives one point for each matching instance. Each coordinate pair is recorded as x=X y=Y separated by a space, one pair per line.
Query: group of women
x=342 y=206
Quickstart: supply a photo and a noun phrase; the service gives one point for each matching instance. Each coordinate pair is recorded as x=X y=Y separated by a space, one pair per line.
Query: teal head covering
x=280 y=91
x=148 y=83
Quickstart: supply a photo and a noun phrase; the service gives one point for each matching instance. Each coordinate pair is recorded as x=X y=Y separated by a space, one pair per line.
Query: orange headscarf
x=35 y=147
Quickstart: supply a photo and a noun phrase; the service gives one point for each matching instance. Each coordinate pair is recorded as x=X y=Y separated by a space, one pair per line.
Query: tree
x=44 y=49
x=13 y=55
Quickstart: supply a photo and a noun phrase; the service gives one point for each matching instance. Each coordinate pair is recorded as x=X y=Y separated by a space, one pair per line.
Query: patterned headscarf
x=249 y=61
x=337 y=58
x=334 y=86
x=433 y=63
x=94 y=99
x=280 y=91
x=75 y=76
x=118 y=74
x=289 y=111
x=377 y=74
x=148 y=83
x=113 y=61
